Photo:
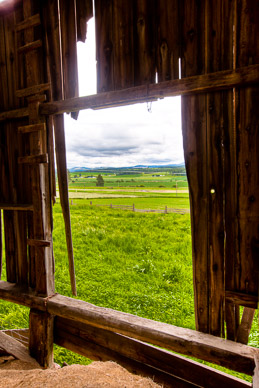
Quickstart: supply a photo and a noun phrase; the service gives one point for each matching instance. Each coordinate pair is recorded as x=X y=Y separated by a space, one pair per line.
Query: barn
x=208 y=53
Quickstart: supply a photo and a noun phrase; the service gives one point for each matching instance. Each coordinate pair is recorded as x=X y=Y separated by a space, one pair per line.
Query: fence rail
x=133 y=208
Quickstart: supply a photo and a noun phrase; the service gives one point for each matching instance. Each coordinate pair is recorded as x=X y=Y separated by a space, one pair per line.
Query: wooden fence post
x=165 y=209
x=133 y=207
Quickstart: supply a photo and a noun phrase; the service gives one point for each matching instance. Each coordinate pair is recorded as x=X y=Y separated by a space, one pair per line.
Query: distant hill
x=78 y=169
x=81 y=169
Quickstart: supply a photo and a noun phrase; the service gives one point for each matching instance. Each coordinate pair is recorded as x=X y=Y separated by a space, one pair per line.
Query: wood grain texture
x=68 y=48
x=85 y=337
x=194 y=128
x=168 y=40
x=186 y=86
x=104 y=45
x=16 y=349
x=185 y=341
x=63 y=190
x=247 y=148
x=41 y=337
x=84 y=12
x=245 y=325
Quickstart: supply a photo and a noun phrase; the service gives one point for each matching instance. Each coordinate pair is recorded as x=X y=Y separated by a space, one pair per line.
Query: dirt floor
x=15 y=373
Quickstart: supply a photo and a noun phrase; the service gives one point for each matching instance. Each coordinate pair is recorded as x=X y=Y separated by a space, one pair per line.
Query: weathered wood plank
x=35 y=89
x=100 y=353
x=245 y=325
x=242 y=299
x=122 y=50
x=63 y=191
x=33 y=159
x=194 y=128
x=53 y=51
x=247 y=148
x=21 y=335
x=38 y=243
x=29 y=47
x=230 y=354
x=16 y=349
x=1 y=245
x=104 y=46
x=32 y=21
x=32 y=128
x=14 y=114
x=171 y=363
x=168 y=47
x=41 y=337
x=24 y=207
x=84 y=12
x=190 y=85
x=68 y=48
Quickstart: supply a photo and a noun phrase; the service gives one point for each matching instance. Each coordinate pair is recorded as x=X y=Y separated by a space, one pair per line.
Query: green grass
x=138 y=263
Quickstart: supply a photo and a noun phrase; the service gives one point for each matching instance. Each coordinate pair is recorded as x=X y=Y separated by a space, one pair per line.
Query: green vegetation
x=138 y=263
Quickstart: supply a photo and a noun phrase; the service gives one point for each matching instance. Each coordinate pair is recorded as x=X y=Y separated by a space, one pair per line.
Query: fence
x=132 y=207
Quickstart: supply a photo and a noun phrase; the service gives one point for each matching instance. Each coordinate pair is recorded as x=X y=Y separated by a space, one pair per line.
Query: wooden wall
x=136 y=40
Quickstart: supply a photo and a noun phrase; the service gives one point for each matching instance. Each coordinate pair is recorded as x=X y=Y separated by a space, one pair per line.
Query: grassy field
x=138 y=263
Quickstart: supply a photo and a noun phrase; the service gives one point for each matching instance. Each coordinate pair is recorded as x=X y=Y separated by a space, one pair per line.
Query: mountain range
x=81 y=169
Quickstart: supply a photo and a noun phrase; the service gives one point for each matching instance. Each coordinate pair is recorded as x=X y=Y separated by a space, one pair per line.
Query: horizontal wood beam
x=198 y=84
x=32 y=21
x=38 y=243
x=242 y=299
x=8 y=206
x=33 y=159
x=29 y=47
x=32 y=128
x=97 y=352
x=14 y=114
x=94 y=342
x=35 y=89
x=229 y=354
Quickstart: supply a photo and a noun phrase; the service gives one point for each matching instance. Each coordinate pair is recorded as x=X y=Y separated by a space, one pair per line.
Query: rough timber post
x=41 y=323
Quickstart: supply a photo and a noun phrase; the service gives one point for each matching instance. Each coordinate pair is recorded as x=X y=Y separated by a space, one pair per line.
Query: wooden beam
x=242 y=299
x=38 y=243
x=7 y=206
x=89 y=341
x=29 y=47
x=97 y=352
x=184 y=341
x=33 y=159
x=41 y=337
x=15 y=348
x=21 y=335
x=32 y=128
x=32 y=90
x=60 y=145
x=32 y=21
x=245 y=325
x=14 y=114
x=191 y=85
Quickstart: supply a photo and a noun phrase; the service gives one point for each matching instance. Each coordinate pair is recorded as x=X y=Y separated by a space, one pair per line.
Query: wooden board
x=184 y=341
x=194 y=127
x=90 y=341
x=16 y=349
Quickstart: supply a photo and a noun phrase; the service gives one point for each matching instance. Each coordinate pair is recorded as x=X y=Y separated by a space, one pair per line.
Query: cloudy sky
x=124 y=136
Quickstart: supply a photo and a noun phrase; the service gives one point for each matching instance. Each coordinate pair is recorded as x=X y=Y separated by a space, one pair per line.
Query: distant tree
x=99 y=181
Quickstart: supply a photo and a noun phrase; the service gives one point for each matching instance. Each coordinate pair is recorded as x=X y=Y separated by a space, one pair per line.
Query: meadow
x=139 y=263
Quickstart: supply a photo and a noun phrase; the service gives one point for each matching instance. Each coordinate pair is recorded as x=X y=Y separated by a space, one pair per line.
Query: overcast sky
x=125 y=136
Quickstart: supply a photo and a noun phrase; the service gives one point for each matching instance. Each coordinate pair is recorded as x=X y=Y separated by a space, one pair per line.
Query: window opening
x=132 y=251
